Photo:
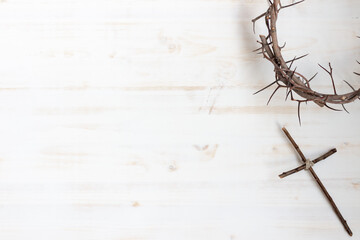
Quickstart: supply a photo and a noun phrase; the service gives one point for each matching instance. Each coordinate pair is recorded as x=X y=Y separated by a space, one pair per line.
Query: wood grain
x=135 y=120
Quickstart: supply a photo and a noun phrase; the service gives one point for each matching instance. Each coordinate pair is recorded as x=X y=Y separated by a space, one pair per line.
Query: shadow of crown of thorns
x=293 y=81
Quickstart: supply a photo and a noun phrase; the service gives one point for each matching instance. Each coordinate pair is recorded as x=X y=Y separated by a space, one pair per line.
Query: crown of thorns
x=290 y=79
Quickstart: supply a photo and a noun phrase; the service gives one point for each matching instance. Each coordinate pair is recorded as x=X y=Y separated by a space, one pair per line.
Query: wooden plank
x=136 y=120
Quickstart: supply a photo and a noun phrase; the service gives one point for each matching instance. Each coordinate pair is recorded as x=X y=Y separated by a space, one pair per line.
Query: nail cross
x=308 y=166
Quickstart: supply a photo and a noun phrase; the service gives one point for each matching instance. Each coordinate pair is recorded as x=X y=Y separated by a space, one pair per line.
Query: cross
x=308 y=166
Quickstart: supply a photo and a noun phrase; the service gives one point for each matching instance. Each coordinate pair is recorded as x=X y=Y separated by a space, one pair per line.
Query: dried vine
x=290 y=79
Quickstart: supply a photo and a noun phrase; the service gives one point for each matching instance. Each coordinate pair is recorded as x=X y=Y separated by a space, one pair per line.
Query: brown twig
x=294 y=81
x=302 y=167
x=321 y=185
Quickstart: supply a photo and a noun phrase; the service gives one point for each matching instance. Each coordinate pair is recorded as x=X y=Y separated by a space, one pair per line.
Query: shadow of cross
x=308 y=166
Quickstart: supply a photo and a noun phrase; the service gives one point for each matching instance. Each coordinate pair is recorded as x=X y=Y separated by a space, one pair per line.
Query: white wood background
x=135 y=119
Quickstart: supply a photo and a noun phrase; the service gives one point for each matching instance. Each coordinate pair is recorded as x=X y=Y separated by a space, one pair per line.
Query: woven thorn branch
x=290 y=79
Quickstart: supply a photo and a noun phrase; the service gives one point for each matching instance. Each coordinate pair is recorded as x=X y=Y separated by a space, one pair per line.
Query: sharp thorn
x=350 y=85
x=313 y=77
x=293 y=4
x=272 y=95
x=345 y=108
x=299 y=103
x=265 y=88
x=297 y=58
x=334 y=109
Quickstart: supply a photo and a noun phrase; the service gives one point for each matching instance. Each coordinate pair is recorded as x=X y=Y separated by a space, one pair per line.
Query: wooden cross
x=308 y=166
